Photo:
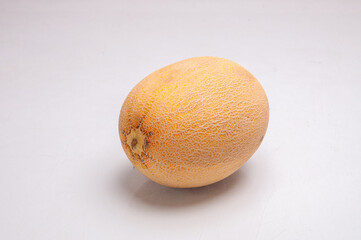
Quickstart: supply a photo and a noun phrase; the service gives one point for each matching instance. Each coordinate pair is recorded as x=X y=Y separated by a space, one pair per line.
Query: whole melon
x=194 y=122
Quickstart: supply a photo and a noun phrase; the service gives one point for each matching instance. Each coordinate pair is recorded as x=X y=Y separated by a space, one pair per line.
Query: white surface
x=67 y=66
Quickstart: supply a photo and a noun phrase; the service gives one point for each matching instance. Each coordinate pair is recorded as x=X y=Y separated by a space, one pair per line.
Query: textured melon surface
x=194 y=122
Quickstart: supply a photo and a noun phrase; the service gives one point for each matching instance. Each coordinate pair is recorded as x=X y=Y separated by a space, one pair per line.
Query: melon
x=194 y=122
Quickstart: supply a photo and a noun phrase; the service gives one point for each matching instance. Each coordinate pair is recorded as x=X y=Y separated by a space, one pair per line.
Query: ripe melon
x=194 y=122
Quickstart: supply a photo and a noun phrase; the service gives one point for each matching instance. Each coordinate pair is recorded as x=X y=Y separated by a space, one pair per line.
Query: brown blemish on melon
x=134 y=142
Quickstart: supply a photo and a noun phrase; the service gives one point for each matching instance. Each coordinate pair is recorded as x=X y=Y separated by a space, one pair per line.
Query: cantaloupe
x=194 y=122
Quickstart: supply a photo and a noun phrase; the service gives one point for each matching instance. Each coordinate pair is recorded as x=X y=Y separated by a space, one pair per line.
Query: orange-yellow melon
x=194 y=122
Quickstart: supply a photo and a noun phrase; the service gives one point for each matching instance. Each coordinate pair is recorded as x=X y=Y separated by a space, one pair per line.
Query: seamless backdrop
x=67 y=66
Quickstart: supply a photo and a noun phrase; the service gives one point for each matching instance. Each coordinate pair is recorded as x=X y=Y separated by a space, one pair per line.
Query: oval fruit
x=194 y=122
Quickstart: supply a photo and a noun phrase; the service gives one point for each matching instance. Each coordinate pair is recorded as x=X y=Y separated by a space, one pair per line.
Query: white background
x=67 y=66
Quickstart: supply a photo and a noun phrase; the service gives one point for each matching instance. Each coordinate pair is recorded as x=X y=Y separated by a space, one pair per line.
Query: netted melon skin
x=194 y=122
